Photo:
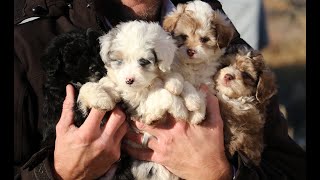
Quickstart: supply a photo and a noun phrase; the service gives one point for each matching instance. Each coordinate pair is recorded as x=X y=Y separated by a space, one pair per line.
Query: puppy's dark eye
x=183 y=37
x=204 y=39
x=92 y=69
x=143 y=62
x=246 y=75
x=248 y=79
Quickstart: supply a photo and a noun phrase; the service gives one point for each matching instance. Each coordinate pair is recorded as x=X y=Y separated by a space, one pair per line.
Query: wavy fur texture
x=70 y=58
x=244 y=87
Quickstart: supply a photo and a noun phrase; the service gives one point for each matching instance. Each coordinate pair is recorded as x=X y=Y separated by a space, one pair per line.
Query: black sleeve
x=28 y=161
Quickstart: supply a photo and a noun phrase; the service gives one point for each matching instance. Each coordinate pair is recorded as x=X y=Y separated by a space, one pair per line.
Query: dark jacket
x=282 y=158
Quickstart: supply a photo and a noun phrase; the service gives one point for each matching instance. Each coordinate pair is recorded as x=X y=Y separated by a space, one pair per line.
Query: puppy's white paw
x=173 y=82
x=197 y=117
x=102 y=101
x=178 y=108
x=193 y=98
x=156 y=105
x=150 y=118
x=91 y=95
x=193 y=102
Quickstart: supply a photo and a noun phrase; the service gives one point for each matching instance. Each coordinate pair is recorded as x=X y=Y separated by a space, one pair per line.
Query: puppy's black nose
x=228 y=77
x=129 y=80
x=191 y=52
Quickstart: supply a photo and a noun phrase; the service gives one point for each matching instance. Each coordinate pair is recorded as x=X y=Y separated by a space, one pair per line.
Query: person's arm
x=188 y=151
x=85 y=152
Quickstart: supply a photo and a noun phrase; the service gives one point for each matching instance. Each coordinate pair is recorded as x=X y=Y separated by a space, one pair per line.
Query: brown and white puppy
x=202 y=36
x=244 y=89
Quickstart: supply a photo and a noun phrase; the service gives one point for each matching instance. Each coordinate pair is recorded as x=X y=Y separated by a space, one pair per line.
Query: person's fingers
x=115 y=120
x=67 y=114
x=139 y=153
x=93 y=121
x=123 y=129
x=137 y=138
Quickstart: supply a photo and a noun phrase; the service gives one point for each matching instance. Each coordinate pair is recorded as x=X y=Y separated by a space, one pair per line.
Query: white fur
x=122 y=50
x=143 y=170
x=131 y=42
x=203 y=10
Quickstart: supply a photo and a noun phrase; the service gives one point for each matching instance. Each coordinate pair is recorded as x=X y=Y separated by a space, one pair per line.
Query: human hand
x=189 y=151
x=89 y=151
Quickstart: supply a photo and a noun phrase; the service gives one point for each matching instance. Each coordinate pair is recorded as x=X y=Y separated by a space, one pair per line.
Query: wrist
x=222 y=172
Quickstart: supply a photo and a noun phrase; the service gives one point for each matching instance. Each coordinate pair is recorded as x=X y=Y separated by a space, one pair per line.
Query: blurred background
x=278 y=29
x=286 y=54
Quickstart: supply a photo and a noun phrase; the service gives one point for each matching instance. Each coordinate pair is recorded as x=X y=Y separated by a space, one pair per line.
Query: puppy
x=138 y=56
x=202 y=36
x=70 y=58
x=244 y=88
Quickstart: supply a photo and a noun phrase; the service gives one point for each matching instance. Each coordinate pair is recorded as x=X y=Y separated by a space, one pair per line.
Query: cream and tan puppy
x=244 y=88
x=202 y=36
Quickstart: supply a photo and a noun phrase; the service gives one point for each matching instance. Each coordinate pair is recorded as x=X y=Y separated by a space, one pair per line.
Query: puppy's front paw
x=197 y=117
x=193 y=98
x=178 y=109
x=102 y=101
x=174 y=83
x=193 y=102
x=91 y=95
x=150 y=118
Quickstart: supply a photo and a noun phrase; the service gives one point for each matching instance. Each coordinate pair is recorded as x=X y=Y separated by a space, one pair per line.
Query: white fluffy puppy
x=138 y=56
x=202 y=35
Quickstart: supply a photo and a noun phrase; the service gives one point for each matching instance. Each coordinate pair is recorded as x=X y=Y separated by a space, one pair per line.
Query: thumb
x=67 y=114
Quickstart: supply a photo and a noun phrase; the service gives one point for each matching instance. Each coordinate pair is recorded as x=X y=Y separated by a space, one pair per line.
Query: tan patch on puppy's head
x=223 y=27
x=170 y=21
x=202 y=34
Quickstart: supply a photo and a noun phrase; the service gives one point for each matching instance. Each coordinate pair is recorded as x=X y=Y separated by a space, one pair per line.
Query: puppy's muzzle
x=190 y=52
x=228 y=77
x=129 y=80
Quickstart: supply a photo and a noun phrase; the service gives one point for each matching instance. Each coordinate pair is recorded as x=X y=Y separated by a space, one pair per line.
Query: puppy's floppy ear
x=266 y=87
x=105 y=42
x=256 y=59
x=224 y=28
x=92 y=36
x=165 y=49
x=170 y=21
